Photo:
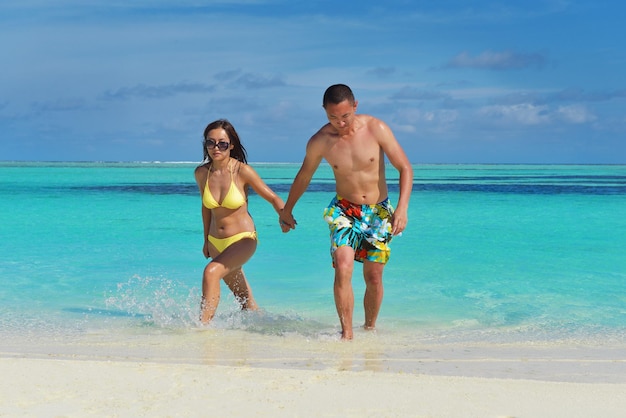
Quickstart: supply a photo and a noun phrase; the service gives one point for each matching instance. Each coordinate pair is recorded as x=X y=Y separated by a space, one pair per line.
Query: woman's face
x=218 y=144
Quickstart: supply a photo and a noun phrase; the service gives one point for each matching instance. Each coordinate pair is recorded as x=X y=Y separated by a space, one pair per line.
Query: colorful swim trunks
x=365 y=228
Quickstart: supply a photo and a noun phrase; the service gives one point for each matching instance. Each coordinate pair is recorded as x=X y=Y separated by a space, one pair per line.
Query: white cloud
x=523 y=114
x=412 y=93
x=157 y=92
x=576 y=114
x=412 y=116
x=491 y=60
x=530 y=114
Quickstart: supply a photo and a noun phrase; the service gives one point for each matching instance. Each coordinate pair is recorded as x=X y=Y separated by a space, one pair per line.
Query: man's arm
x=399 y=160
x=312 y=160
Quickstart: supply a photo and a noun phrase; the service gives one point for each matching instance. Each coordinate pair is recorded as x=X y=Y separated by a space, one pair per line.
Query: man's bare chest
x=354 y=156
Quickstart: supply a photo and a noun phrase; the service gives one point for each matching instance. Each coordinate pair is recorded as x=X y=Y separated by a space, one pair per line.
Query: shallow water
x=95 y=256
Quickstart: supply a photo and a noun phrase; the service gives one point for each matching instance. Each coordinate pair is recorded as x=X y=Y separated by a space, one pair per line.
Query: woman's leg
x=221 y=266
x=238 y=284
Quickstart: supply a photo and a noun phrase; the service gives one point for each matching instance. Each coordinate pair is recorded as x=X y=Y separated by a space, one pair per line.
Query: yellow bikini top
x=234 y=199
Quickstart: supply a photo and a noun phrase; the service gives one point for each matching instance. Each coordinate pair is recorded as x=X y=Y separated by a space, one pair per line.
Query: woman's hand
x=286 y=221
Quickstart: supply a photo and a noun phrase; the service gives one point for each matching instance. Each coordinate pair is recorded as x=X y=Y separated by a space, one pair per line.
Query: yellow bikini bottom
x=222 y=243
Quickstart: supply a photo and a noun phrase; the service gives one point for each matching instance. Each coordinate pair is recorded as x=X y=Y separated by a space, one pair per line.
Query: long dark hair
x=238 y=152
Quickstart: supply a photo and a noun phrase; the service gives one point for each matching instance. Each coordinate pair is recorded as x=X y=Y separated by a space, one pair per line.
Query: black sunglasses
x=222 y=145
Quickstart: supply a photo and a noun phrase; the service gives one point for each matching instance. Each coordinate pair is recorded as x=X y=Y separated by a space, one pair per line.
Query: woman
x=229 y=233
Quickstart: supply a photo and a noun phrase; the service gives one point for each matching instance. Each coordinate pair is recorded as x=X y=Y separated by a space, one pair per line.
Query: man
x=360 y=218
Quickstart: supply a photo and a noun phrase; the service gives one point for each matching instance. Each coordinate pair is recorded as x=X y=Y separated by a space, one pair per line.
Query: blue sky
x=534 y=81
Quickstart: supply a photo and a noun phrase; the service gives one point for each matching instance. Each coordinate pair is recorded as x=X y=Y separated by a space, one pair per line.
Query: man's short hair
x=336 y=94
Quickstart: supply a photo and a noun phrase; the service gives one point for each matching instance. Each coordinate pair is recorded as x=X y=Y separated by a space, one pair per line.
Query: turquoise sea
x=104 y=260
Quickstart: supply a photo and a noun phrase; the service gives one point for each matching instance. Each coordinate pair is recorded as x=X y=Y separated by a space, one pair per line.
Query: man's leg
x=373 y=275
x=344 y=295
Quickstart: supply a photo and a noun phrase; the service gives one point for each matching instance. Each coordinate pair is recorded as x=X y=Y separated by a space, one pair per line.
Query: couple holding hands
x=360 y=217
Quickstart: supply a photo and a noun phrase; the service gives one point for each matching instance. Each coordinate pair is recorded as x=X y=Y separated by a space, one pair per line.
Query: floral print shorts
x=365 y=228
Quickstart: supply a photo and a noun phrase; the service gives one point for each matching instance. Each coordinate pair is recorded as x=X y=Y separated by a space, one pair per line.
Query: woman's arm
x=201 y=174
x=252 y=178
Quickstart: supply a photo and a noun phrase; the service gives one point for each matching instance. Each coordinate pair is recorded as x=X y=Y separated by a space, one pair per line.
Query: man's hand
x=398 y=222
x=286 y=221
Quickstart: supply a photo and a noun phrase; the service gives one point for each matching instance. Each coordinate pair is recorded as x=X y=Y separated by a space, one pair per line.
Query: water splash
x=159 y=302
x=174 y=305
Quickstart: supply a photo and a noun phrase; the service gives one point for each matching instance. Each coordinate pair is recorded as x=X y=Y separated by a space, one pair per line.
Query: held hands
x=286 y=221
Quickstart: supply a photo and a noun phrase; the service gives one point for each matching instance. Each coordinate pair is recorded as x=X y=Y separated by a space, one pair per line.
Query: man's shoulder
x=322 y=134
x=325 y=130
x=376 y=127
x=371 y=121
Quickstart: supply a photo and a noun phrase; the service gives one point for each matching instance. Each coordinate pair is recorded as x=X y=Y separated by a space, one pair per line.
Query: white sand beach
x=53 y=387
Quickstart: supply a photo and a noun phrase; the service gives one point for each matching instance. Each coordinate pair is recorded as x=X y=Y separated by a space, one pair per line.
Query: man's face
x=341 y=115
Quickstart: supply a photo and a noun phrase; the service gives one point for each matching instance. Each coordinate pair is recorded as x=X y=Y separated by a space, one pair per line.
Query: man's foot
x=346 y=335
x=368 y=328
